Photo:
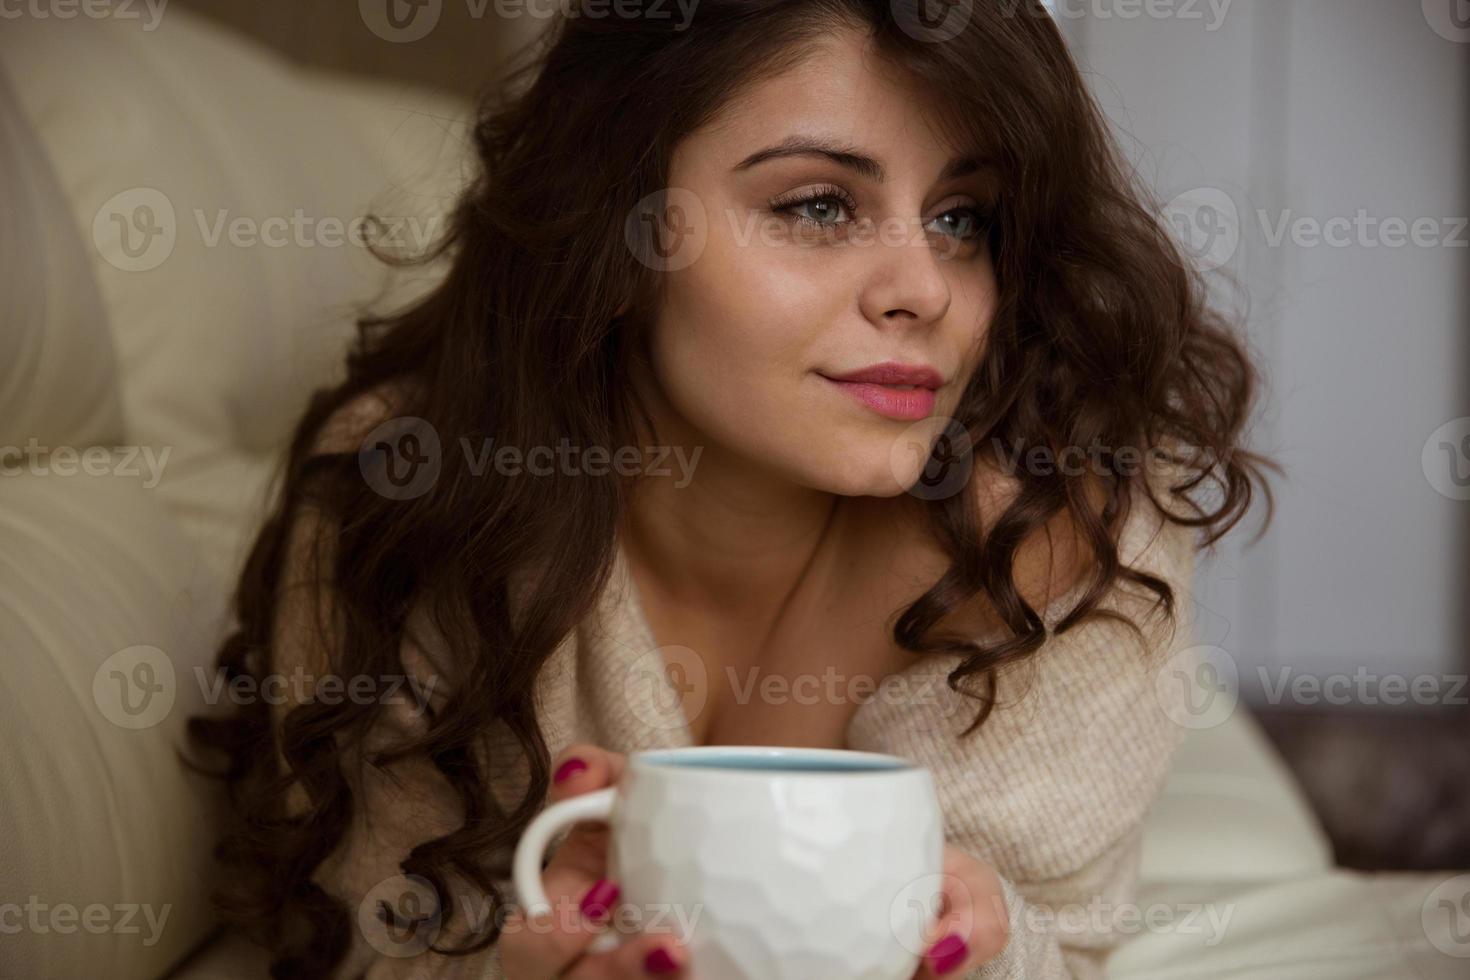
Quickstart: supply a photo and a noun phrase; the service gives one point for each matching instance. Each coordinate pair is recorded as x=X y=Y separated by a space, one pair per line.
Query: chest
x=800 y=678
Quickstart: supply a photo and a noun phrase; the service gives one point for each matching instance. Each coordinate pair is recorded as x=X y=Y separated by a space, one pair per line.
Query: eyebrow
x=846 y=156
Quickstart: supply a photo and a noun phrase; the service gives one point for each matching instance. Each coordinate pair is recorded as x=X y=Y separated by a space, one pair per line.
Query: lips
x=904 y=392
x=896 y=374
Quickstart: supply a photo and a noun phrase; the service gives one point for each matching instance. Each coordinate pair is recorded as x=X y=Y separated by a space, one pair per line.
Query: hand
x=973 y=926
x=581 y=899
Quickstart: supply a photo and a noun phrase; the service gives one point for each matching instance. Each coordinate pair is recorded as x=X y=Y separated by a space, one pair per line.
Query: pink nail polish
x=567 y=768
x=948 y=953
x=659 y=961
x=597 y=903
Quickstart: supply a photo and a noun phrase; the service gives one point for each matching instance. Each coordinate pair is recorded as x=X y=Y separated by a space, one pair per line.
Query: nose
x=905 y=283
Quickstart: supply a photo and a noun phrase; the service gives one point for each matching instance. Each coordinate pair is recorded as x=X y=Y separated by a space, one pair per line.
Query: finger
x=641 y=955
x=973 y=925
x=584 y=767
x=548 y=945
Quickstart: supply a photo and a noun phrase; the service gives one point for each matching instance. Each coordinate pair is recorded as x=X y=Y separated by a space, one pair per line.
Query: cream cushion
x=199 y=356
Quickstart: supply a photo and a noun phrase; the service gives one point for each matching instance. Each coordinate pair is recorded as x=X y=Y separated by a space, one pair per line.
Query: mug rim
x=666 y=759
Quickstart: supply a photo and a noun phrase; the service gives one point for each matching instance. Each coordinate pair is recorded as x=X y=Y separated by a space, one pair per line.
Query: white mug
x=767 y=863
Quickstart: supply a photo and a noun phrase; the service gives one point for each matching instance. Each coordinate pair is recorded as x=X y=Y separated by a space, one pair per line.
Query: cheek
x=739 y=332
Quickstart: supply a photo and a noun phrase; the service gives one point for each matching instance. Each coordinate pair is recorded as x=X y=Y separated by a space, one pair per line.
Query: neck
x=730 y=537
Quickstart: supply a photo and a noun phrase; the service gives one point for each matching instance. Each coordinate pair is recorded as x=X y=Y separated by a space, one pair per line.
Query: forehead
x=842 y=87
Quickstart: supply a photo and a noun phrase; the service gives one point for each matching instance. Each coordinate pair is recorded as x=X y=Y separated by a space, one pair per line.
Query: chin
x=867 y=473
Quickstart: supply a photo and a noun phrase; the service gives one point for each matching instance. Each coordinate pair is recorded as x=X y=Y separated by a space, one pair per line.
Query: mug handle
x=531 y=849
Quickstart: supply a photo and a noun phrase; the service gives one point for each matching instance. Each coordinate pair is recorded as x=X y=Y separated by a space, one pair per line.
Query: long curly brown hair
x=1101 y=338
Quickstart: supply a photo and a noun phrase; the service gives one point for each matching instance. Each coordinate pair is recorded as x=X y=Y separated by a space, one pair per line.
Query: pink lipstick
x=897 y=391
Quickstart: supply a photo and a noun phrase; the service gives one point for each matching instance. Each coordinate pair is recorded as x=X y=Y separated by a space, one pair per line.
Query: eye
x=963 y=223
x=818 y=208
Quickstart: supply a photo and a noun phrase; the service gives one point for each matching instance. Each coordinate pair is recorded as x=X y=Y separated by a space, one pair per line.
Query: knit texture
x=1052 y=791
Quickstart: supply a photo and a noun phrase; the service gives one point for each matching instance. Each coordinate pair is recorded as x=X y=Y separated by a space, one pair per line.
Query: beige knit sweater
x=1052 y=791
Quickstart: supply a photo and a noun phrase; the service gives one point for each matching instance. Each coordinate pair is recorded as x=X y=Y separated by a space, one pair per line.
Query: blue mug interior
x=755 y=760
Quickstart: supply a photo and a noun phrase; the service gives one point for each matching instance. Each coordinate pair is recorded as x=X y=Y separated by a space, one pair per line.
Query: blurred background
x=1314 y=158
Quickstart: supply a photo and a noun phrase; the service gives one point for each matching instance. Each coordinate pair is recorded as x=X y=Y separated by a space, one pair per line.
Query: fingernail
x=567 y=768
x=659 y=961
x=948 y=953
x=599 y=898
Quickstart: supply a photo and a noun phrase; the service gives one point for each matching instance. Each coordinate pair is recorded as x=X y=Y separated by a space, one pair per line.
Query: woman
x=808 y=340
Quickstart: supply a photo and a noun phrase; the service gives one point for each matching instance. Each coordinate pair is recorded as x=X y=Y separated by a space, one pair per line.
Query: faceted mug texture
x=781 y=874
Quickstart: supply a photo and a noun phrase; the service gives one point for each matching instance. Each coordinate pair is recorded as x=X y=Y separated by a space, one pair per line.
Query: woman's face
x=812 y=266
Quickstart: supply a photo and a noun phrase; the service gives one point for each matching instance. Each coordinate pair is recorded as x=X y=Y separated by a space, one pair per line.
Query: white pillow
x=58 y=371
x=107 y=838
x=188 y=155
